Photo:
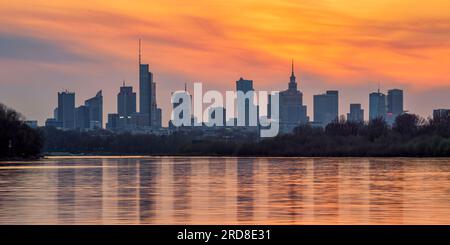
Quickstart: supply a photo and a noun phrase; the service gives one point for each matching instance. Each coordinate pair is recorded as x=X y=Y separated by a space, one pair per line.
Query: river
x=224 y=190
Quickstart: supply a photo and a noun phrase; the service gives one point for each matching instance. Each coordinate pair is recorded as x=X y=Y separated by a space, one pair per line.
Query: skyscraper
x=326 y=107
x=66 y=109
x=95 y=107
x=245 y=86
x=394 y=104
x=356 y=113
x=292 y=111
x=377 y=105
x=82 y=120
x=147 y=94
x=126 y=101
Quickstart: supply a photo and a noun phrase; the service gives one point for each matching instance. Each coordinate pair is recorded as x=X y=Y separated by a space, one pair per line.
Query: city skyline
x=328 y=108
x=350 y=49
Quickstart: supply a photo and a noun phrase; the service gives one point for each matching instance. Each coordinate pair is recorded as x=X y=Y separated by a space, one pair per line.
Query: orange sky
x=349 y=45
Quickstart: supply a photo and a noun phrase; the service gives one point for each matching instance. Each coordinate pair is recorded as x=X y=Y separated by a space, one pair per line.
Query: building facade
x=66 y=109
x=326 y=107
x=147 y=95
x=95 y=108
x=243 y=107
x=356 y=113
x=292 y=111
x=394 y=105
x=377 y=105
x=126 y=101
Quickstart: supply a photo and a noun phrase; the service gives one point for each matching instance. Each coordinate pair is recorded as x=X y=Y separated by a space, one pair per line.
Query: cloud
x=30 y=48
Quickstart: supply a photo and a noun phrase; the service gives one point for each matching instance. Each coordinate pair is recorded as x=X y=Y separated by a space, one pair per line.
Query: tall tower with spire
x=292 y=82
x=292 y=111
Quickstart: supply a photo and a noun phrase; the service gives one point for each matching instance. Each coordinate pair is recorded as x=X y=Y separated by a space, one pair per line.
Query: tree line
x=410 y=135
x=17 y=139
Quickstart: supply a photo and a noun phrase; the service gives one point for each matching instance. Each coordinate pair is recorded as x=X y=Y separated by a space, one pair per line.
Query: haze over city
x=46 y=47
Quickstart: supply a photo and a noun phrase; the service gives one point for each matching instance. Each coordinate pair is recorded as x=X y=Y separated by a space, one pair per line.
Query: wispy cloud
x=34 y=49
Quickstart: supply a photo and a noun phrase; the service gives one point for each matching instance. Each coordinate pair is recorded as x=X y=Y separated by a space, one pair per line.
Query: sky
x=352 y=46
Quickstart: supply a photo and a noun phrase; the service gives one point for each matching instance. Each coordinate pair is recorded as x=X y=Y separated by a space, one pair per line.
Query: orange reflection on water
x=203 y=190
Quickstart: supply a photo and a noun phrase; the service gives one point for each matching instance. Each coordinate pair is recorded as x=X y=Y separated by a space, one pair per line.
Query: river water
x=223 y=190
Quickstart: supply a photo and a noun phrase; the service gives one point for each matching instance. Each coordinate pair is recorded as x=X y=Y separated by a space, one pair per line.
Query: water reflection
x=184 y=190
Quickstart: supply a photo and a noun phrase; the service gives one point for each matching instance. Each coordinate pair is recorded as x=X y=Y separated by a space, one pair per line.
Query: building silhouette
x=356 y=113
x=82 y=117
x=126 y=101
x=243 y=107
x=292 y=111
x=377 y=105
x=95 y=108
x=326 y=107
x=147 y=95
x=90 y=115
x=66 y=109
x=394 y=105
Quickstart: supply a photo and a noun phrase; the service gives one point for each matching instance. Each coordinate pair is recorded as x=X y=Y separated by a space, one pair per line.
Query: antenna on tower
x=292 y=68
x=185 y=87
x=139 y=51
x=379 y=85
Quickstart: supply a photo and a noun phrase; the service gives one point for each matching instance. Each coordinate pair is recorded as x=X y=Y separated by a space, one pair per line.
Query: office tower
x=145 y=86
x=95 y=111
x=55 y=113
x=326 y=107
x=147 y=94
x=356 y=113
x=112 y=123
x=292 y=111
x=66 y=109
x=244 y=86
x=377 y=105
x=126 y=101
x=441 y=114
x=82 y=120
x=394 y=104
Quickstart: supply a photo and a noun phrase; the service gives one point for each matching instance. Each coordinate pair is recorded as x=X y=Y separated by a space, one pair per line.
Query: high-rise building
x=126 y=101
x=147 y=94
x=82 y=117
x=394 y=105
x=292 y=111
x=113 y=121
x=245 y=86
x=326 y=107
x=145 y=89
x=55 y=113
x=377 y=105
x=66 y=109
x=356 y=113
x=95 y=111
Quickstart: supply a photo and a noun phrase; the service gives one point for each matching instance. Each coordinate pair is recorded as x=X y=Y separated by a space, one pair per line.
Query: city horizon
x=168 y=104
x=89 y=49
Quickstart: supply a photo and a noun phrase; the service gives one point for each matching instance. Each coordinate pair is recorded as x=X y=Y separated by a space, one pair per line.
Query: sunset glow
x=345 y=44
